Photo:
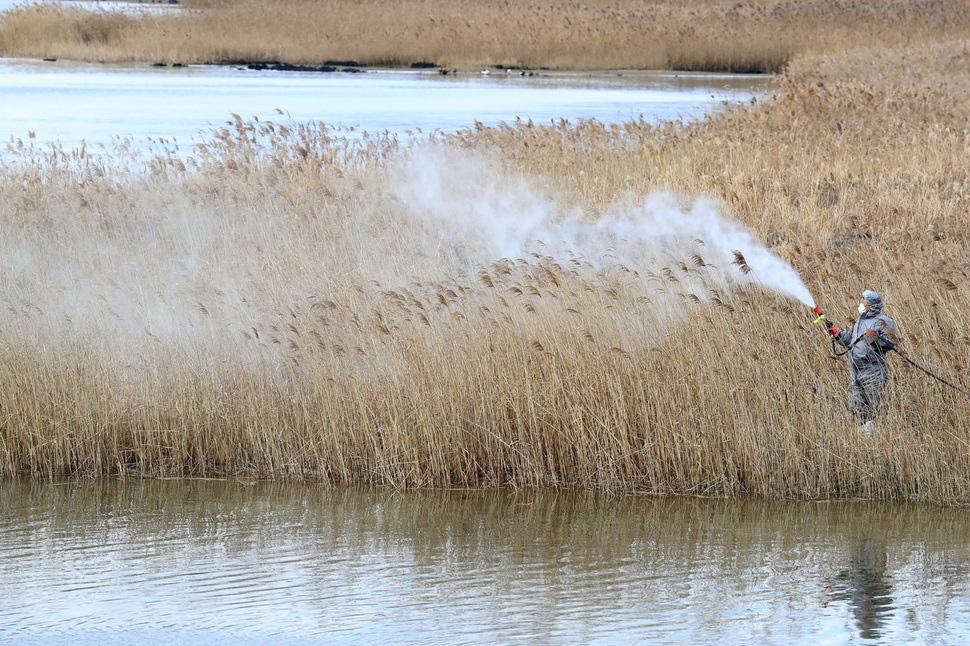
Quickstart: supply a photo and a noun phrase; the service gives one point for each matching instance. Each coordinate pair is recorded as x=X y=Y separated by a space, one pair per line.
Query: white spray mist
x=472 y=210
x=661 y=221
x=476 y=213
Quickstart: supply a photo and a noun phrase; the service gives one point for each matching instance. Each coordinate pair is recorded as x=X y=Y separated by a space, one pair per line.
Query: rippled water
x=226 y=562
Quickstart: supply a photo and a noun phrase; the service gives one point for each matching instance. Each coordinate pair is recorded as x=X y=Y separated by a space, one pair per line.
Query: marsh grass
x=670 y=34
x=272 y=305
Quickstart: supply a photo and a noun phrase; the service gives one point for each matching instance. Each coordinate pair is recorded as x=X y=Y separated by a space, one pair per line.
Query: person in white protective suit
x=868 y=340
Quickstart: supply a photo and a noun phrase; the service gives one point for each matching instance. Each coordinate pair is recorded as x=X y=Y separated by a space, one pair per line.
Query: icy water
x=133 y=7
x=70 y=102
x=223 y=562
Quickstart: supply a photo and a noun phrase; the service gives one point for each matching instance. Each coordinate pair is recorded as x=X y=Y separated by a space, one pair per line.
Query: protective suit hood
x=873 y=301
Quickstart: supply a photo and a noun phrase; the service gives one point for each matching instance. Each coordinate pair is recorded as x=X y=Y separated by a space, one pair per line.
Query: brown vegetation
x=272 y=306
x=595 y=34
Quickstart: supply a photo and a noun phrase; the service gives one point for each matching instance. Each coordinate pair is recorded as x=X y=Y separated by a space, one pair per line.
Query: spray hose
x=892 y=348
x=922 y=369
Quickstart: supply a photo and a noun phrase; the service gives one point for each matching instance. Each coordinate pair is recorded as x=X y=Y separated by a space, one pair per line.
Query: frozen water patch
x=99 y=5
x=70 y=102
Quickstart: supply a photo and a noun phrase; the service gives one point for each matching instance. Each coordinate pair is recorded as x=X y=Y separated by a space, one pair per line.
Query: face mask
x=862 y=308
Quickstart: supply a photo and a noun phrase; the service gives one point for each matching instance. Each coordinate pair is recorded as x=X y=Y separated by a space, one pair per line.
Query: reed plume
x=278 y=303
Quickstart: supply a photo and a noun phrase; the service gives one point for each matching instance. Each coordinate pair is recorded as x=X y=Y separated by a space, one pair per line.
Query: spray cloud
x=172 y=277
x=476 y=213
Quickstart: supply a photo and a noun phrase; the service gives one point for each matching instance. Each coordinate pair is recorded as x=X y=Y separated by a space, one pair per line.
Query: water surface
x=133 y=7
x=228 y=562
x=71 y=102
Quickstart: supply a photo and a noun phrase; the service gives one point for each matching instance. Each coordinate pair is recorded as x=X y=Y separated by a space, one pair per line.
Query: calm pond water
x=69 y=102
x=195 y=562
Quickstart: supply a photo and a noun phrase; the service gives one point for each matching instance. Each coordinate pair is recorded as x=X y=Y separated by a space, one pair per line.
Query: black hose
x=922 y=369
x=847 y=350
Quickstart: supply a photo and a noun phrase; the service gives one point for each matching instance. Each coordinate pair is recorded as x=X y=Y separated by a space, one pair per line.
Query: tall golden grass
x=757 y=35
x=273 y=305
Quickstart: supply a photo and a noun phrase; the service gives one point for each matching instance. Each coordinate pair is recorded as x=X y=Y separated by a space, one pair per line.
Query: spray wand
x=818 y=312
x=826 y=324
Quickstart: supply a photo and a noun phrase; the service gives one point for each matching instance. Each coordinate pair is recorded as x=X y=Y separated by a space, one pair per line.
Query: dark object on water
x=423 y=65
x=289 y=67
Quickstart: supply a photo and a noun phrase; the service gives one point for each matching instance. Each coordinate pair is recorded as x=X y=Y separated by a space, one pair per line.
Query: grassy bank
x=288 y=303
x=757 y=35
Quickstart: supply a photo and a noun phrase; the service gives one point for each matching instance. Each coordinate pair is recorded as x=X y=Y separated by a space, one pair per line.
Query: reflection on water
x=228 y=562
x=865 y=585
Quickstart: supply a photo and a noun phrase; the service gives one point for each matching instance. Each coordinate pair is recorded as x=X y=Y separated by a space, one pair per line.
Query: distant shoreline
x=345 y=68
x=711 y=36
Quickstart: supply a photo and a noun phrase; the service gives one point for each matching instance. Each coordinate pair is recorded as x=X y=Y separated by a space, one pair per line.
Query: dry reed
x=756 y=35
x=272 y=306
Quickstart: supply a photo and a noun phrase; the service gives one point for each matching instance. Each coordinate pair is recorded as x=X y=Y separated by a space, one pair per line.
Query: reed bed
x=755 y=35
x=286 y=301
